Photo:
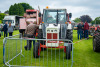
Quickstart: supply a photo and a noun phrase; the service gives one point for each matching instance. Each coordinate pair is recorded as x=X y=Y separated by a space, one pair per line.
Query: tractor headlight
x=55 y=30
x=48 y=30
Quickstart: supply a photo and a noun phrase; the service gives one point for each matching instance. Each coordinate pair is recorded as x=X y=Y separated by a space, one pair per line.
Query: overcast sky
x=76 y=7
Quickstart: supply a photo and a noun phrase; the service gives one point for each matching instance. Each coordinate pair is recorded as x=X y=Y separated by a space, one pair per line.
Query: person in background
x=82 y=29
x=10 y=29
x=1 y=30
x=30 y=31
x=86 y=28
x=5 y=29
x=79 y=31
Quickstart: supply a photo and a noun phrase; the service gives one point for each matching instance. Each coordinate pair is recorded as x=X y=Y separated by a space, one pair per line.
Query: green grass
x=0 y=21
x=84 y=56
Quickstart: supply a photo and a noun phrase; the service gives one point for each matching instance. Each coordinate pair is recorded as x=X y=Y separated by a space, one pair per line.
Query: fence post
x=4 y=42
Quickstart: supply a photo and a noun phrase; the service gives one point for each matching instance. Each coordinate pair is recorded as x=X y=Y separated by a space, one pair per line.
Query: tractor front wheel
x=40 y=36
x=69 y=35
x=68 y=51
x=36 y=50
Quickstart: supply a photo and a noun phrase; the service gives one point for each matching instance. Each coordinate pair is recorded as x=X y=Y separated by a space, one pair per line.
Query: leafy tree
x=16 y=9
x=6 y=12
x=19 y=9
x=97 y=20
x=93 y=22
x=26 y=6
x=2 y=15
x=77 y=20
x=11 y=10
x=0 y=21
x=86 y=18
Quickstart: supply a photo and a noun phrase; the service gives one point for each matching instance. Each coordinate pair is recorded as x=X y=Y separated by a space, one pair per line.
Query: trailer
x=31 y=16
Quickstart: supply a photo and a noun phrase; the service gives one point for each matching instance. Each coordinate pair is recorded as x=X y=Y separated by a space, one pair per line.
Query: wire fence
x=43 y=53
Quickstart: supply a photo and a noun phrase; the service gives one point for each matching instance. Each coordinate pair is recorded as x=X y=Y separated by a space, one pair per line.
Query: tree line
x=83 y=18
x=87 y=18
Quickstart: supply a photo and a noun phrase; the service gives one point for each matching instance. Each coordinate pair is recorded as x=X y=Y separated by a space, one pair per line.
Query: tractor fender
x=69 y=26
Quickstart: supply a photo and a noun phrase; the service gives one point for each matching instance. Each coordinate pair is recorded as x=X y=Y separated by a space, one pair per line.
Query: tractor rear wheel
x=36 y=50
x=68 y=52
x=96 y=42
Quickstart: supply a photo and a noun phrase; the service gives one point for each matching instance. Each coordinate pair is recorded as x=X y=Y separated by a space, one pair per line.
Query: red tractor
x=55 y=25
x=96 y=40
x=92 y=30
x=31 y=16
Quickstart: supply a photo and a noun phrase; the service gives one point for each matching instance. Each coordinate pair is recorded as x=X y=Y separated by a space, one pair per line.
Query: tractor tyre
x=96 y=42
x=69 y=36
x=40 y=36
x=68 y=52
x=36 y=50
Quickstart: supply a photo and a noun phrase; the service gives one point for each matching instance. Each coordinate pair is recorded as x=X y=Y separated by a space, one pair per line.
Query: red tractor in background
x=31 y=16
x=92 y=30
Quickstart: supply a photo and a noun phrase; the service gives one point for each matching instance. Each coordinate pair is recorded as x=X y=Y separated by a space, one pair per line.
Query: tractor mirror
x=70 y=15
x=39 y=14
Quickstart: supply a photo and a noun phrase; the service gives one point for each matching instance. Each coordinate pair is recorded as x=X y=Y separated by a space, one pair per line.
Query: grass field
x=84 y=56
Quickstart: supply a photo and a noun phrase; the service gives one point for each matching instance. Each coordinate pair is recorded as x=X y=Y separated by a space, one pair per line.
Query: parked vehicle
x=96 y=40
x=31 y=16
x=54 y=26
x=14 y=19
x=92 y=30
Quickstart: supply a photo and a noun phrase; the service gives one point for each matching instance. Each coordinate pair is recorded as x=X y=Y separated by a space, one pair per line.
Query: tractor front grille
x=52 y=36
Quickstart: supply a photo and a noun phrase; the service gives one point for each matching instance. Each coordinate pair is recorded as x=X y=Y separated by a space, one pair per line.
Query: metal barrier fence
x=50 y=53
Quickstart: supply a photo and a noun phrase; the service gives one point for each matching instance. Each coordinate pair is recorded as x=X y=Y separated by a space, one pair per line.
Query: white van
x=14 y=19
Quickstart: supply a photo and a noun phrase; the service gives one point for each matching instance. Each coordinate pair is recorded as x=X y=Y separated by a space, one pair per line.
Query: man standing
x=86 y=28
x=5 y=29
x=30 y=31
x=79 y=28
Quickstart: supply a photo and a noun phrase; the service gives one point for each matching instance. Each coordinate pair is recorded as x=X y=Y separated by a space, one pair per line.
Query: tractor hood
x=53 y=26
x=61 y=27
